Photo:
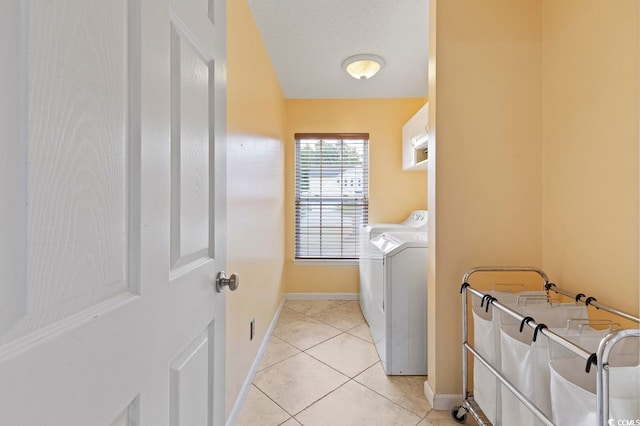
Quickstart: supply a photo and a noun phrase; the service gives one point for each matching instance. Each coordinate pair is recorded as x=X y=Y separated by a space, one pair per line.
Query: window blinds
x=332 y=194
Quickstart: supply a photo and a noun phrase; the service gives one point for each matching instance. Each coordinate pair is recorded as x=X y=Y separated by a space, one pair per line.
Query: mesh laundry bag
x=525 y=364
x=573 y=390
x=486 y=341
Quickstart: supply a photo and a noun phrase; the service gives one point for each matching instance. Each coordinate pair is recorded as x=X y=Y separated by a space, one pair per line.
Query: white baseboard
x=441 y=401
x=246 y=386
x=322 y=296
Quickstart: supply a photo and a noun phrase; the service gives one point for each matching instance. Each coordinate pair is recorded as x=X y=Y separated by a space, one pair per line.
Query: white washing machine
x=417 y=221
x=399 y=309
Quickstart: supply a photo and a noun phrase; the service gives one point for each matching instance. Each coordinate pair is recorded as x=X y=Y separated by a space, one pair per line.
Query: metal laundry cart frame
x=600 y=359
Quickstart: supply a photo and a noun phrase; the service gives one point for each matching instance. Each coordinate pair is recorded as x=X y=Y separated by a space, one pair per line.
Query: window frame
x=361 y=201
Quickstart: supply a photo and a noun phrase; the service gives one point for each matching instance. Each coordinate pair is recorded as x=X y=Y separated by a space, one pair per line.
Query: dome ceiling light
x=363 y=67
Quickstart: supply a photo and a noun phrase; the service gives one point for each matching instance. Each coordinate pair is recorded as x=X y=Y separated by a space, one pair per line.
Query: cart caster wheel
x=459 y=414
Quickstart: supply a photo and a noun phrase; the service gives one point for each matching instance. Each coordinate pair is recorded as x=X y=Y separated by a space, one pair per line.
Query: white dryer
x=417 y=221
x=399 y=309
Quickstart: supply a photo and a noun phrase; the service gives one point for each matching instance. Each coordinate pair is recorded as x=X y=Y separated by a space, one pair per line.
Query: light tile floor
x=321 y=368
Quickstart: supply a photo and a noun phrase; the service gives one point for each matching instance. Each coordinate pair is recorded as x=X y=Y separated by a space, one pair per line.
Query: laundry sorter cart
x=495 y=340
x=514 y=370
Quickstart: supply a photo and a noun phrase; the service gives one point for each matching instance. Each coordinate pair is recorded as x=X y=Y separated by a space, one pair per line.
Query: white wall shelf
x=415 y=141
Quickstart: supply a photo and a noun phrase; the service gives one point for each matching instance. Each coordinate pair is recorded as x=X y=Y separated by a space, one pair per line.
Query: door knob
x=233 y=281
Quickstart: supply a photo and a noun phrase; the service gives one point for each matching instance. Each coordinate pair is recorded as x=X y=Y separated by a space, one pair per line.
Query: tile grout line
x=326 y=309
x=282 y=360
x=323 y=397
x=326 y=323
x=420 y=419
x=349 y=379
x=329 y=366
x=359 y=373
x=338 y=371
x=305 y=352
x=390 y=400
x=271 y=399
x=358 y=337
x=353 y=379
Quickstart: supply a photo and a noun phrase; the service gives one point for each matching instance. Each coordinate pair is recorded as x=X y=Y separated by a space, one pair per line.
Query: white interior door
x=112 y=212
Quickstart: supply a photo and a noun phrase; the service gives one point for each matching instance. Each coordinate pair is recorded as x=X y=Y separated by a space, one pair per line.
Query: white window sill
x=327 y=262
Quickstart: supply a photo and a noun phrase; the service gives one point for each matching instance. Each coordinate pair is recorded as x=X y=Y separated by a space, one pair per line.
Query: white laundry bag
x=525 y=364
x=485 y=383
x=573 y=390
x=486 y=341
x=520 y=367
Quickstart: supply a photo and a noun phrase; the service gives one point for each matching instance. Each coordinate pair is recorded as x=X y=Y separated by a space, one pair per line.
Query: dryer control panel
x=417 y=219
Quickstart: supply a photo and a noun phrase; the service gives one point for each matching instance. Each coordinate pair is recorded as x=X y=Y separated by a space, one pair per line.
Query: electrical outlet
x=252 y=328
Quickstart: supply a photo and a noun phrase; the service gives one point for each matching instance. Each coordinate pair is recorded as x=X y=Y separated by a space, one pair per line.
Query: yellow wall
x=393 y=193
x=255 y=196
x=534 y=116
x=485 y=189
x=590 y=106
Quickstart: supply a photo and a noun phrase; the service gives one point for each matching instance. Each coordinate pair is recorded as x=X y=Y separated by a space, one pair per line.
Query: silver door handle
x=233 y=281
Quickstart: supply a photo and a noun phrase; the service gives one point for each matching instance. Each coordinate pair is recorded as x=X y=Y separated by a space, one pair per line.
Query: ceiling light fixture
x=363 y=67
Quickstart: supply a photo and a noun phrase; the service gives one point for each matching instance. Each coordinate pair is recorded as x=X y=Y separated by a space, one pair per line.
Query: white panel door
x=112 y=212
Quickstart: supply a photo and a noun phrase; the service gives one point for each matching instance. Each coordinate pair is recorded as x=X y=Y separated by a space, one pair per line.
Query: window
x=332 y=194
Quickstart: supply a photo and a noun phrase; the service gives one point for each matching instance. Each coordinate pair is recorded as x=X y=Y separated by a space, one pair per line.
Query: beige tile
x=297 y=382
x=310 y=307
x=304 y=332
x=355 y=405
x=443 y=418
x=288 y=315
x=346 y=353
x=362 y=331
x=352 y=305
x=277 y=350
x=291 y=422
x=406 y=391
x=343 y=317
x=258 y=409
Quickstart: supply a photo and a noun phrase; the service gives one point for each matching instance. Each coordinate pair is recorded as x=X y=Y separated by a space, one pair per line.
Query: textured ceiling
x=307 y=41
